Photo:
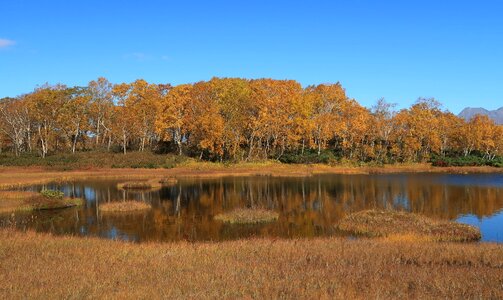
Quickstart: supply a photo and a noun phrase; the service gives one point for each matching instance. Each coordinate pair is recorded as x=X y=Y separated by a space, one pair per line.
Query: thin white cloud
x=4 y=43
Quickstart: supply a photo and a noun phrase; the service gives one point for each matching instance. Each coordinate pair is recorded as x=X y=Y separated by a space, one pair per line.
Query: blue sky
x=399 y=50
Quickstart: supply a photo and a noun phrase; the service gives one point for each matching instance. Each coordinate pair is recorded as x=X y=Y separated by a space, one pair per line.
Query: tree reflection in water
x=308 y=206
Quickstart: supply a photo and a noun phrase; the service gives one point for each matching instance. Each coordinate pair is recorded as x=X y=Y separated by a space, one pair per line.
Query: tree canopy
x=237 y=119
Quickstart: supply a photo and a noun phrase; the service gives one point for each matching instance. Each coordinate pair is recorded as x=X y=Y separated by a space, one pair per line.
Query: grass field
x=43 y=266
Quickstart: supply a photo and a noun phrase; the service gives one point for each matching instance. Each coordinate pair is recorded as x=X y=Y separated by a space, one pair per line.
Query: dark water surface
x=308 y=207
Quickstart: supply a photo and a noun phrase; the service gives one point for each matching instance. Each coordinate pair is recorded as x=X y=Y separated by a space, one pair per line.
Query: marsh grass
x=16 y=195
x=146 y=185
x=124 y=207
x=153 y=184
x=397 y=225
x=247 y=216
x=11 y=201
x=43 y=203
x=168 y=181
x=41 y=266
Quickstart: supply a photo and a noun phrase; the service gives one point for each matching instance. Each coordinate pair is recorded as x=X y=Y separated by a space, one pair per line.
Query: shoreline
x=15 y=177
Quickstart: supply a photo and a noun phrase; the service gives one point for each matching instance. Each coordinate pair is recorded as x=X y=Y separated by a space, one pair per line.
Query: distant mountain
x=470 y=112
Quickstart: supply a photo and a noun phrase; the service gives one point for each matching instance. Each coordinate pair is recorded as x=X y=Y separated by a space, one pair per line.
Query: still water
x=308 y=207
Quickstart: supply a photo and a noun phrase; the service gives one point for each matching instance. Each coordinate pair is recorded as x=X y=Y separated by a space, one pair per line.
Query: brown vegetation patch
x=45 y=267
x=248 y=216
x=43 y=203
x=399 y=225
x=124 y=206
x=15 y=200
x=168 y=181
x=140 y=185
x=11 y=201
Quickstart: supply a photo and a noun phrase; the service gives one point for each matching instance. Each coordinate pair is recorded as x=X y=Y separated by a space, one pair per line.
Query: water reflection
x=308 y=206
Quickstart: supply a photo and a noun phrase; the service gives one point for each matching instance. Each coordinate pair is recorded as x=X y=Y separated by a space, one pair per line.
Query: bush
x=465 y=161
x=98 y=159
x=172 y=161
x=52 y=194
x=309 y=157
x=497 y=162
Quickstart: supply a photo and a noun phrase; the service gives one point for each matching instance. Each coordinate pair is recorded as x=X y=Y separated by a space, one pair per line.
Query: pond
x=307 y=207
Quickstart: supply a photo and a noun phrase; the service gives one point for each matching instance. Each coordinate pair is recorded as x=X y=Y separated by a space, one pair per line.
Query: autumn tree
x=274 y=122
x=480 y=133
x=355 y=133
x=15 y=123
x=418 y=129
x=45 y=105
x=101 y=108
x=325 y=120
x=382 y=127
x=172 y=122
x=233 y=96
x=73 y=117
x=124 y=125
x=143 y=98
x=206 y=124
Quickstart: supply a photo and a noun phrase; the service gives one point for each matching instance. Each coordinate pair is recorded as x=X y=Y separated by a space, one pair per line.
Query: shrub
x=52 y=194
x=172 y=161
x=464 y=161
x=308 y=157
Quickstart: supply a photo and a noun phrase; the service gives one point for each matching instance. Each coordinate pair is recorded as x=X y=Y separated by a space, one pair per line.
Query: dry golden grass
x=42 y=266
x=124 y=206
x=403 y=225
x=168 y=181
x=12 y=177
x=15 y=200
x=151 y=184
x=11 y=201
x=148 y=185
x=247 y=216
x=43 y=203
x=17 y=195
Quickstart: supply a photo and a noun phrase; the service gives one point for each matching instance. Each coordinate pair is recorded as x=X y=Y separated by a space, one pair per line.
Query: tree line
x=237 y=119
